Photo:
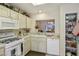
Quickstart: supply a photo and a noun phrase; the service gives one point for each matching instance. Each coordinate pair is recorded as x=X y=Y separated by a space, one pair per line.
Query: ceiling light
x=40 y=11
x=35 y=4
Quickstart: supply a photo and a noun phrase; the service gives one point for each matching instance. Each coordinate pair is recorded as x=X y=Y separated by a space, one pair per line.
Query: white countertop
x=39 y=35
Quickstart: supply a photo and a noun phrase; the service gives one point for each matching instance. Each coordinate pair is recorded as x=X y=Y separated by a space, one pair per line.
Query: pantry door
x=70 y=38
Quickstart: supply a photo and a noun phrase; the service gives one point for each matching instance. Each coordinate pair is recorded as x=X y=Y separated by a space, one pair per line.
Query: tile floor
x=33 y=53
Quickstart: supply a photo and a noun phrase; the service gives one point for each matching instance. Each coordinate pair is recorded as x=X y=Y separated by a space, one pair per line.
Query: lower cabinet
x=2 y=51
x=41 y=44
x=26 y=45
x=38 y=44
x=34 y=44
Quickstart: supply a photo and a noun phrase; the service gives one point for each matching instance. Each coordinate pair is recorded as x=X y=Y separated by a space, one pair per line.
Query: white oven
x=12 y=43
x=13 y=50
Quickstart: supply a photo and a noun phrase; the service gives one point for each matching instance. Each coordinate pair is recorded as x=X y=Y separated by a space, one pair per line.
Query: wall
x=58 y=13
x=49 y=15
x=65 y=8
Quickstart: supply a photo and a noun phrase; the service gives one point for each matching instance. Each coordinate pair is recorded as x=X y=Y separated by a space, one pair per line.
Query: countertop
x=1 y=45
x=54 y=36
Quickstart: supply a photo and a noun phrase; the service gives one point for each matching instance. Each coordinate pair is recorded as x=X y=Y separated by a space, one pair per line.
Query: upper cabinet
x=4 y=12
x=14 y=15
x=29 y=22
x=22 y=21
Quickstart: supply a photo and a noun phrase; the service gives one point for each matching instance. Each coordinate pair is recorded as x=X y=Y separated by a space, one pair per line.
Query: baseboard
x=51 y=55
x=38 y=51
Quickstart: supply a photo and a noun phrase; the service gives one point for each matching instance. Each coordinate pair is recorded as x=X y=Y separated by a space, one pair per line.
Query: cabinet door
x=0 y=10
x=26 y=47
x=38 y=44
x=53 y=46
x=5 y=12
x=33 y=22
x=1 y=51
x=29 y=22
x=28 y=43
x=14 y=15
x=22 y=21
x=42 y=44
x=34 y=44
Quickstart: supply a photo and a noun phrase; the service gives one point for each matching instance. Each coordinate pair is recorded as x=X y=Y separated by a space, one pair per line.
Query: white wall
x=47 y=15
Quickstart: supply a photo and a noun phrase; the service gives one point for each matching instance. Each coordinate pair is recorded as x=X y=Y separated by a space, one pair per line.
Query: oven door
x=13 y=51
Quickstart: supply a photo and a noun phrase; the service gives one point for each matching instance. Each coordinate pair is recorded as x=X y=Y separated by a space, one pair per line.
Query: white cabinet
x=0 y=10
x=52 y=46
x=33 y=22
x=29 y=22
x=26 y=45
x=42 y=45
x=38 y=44
x=5 y=12
x=14 y=15
x=2 y=51
x=34 y=44
x=8 y=13
x=22 y=21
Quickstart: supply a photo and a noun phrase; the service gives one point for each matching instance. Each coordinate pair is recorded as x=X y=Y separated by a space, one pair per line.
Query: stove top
x=9 y=40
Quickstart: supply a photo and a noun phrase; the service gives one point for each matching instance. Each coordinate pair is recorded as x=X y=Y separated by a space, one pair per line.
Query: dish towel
x=76 y=29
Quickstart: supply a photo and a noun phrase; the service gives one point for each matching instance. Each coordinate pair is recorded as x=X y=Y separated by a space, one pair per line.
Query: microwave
x=7 y=23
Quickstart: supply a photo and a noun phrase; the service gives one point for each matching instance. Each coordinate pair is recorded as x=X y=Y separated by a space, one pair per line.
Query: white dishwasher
x=53 y=46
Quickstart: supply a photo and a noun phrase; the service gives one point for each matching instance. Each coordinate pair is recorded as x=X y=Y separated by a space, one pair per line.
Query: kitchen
x=35 y=30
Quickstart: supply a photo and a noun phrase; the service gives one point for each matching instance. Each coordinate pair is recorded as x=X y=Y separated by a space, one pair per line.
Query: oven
x=12 y=44
x=13 y=50
x=21 y=48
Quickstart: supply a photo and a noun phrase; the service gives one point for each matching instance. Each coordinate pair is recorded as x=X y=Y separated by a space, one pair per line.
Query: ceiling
x=30 y=8
x=49 y=9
